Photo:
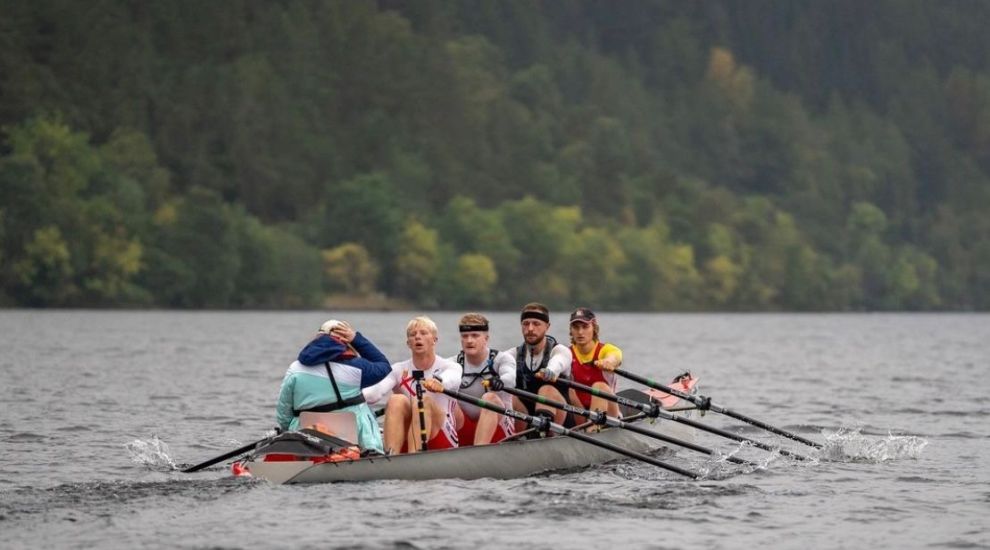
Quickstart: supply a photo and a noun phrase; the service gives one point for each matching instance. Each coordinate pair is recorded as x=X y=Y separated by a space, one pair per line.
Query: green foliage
x=196 y=261
x=66 y=239
x=44 y=270
x=277 y=268
x=418 y=263
x=363 y=210
x=473 y=281
x=642 y=155
x=349 y=268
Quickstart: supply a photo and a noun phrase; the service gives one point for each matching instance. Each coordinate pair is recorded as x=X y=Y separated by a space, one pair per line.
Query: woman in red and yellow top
x=593 y=363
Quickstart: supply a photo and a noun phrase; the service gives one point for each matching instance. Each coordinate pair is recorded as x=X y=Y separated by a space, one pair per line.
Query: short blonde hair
x=420 y=322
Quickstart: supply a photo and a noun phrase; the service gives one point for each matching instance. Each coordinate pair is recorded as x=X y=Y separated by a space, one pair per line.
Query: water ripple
x=25 y=437
x=102 y=497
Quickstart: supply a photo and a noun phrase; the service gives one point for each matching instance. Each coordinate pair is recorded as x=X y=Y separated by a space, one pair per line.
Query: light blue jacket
x=307 y=385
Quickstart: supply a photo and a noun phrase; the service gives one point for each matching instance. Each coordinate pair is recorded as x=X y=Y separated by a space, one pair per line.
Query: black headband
x=531 y=314
x=473 y=328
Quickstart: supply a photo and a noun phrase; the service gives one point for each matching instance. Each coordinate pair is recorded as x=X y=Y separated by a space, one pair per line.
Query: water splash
x=850 y=445
x=152 y=452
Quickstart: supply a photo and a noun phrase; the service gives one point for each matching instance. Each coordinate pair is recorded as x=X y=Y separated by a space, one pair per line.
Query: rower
x=483 y=369
x=441 y=415
x=539 y=359
x=593 y=364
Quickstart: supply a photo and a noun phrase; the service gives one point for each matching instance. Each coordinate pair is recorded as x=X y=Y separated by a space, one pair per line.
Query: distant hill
x=661 y=155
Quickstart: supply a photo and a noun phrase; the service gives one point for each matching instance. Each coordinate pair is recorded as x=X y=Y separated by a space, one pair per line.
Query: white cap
x=326 y=327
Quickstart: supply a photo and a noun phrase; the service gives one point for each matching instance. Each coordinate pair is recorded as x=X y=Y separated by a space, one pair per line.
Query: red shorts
x=439 y=442
x=465 y=435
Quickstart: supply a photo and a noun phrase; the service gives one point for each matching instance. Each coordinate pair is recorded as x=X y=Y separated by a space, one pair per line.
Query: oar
x=225 y=456
x=600 y=418
x=418 y=378
x=654 y=410
x=705 y=403
x=544 y=424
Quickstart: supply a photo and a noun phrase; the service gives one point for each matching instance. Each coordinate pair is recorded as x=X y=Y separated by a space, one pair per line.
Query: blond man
x=442 y=416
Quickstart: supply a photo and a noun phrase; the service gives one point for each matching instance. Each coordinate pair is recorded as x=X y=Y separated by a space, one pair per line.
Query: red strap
x=405 y=383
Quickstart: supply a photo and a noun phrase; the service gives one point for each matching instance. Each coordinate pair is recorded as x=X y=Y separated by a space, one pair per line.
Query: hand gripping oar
x=236 y=452
x=544 y=424
x=654 y=410
x=705 y=403
x=600 y=418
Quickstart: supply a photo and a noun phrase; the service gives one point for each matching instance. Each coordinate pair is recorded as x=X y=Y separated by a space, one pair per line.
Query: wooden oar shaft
x=421 y=411
x=544 y=424
x=655 y=411
x=599 y=417
x=706 y=403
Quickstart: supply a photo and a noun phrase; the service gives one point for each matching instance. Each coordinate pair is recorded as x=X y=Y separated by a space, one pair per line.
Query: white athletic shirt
x=559 y=363
x=504 y=365
x=448 y=372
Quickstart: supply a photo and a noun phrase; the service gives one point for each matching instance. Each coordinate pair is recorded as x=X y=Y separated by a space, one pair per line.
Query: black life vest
x=525 y=379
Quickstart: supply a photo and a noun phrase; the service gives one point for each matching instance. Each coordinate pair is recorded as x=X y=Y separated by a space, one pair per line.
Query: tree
x=63 y=224
x=44 y=271
x=362 y=210
x=473 y=281
x=349 y=268
x=196 y=261
x=418 y=263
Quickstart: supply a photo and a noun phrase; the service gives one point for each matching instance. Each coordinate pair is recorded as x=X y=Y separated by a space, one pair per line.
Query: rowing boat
x=505 y=460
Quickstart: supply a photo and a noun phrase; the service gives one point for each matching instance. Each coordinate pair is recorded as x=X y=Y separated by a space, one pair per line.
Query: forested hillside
x=645 y=155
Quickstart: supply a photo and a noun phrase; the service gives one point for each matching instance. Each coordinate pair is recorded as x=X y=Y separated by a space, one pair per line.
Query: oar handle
x=544 y=424
x=706 y=403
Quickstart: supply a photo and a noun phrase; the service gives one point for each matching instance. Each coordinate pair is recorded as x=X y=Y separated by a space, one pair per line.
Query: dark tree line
x=759 y=155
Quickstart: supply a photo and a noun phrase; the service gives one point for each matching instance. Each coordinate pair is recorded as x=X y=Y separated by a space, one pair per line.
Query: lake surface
x=98 y=409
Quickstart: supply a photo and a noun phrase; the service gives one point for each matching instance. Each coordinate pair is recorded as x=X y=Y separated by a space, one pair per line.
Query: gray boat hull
x=511 y=459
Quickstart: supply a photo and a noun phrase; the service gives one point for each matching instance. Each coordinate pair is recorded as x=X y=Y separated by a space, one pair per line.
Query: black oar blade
x=633 y=395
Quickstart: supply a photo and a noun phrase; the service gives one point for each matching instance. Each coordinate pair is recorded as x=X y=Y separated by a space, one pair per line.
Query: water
x=99 y=409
